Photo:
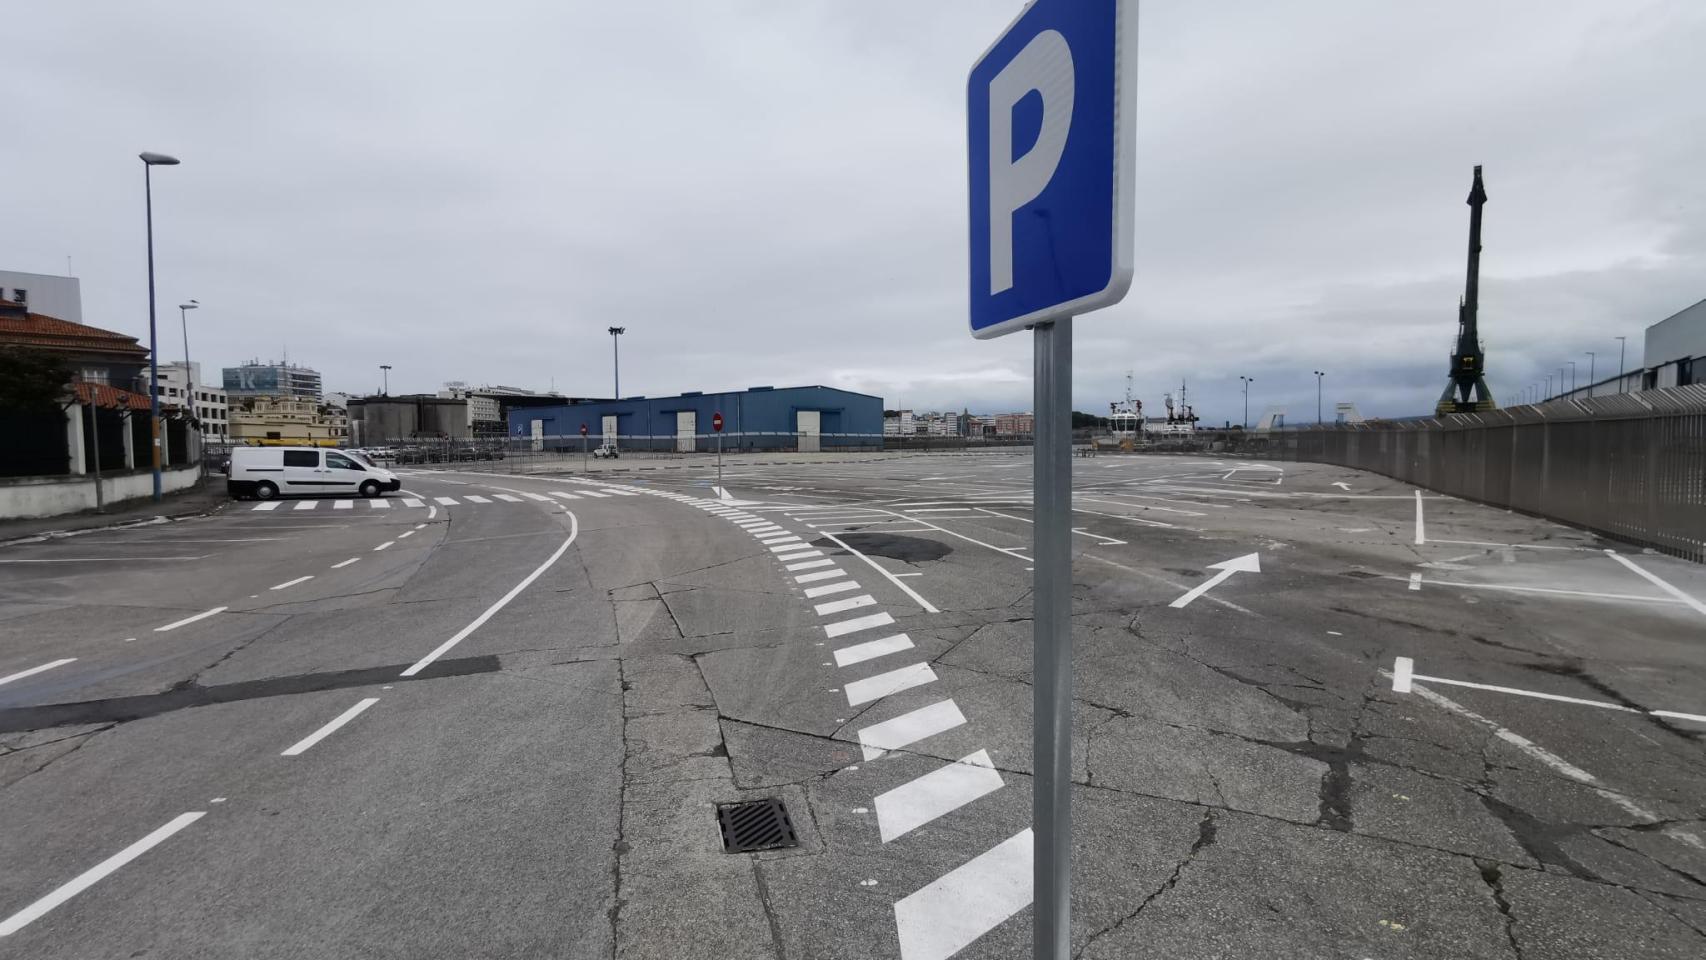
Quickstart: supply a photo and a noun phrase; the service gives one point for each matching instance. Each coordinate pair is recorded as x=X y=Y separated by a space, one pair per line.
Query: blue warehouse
x=807 y=419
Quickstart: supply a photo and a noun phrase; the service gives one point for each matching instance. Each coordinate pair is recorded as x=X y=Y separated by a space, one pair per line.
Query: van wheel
x=265 y=491
x=370 y=489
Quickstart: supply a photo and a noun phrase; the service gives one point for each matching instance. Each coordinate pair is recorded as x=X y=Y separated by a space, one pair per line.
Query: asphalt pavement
x=1317 y=713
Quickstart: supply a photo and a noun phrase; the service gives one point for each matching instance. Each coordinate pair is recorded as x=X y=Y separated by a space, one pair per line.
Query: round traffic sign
x=717 y=422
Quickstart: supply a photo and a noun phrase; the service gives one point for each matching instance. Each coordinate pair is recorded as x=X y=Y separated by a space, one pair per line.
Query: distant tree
x=31 y=379
x=891 y=413
x=1087 y=421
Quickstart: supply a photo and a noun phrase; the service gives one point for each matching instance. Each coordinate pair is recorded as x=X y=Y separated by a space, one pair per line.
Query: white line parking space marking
x=21 y=674
x=820 y=575
x=384 y=546
x=909 y=728
x=892 y=682
x=927 y=605
x=443 y=648
x=302 y=504
x=938 y=793
x=446 y=501
x=842 y=606
x=807 y=565
x=376 y=503
x=93 y=875
x=871 y=649
x=407 y=501
x=175 y=624
x=343 y=504
x=1420 y=537
x=292 y=583
x=1655 y=581
x=1553 y=590
x=1415 y=581
x=856 y=624
x=344 y=563
x=1404 y=675
x=824 y=591
x=474 y=498
x=941 y=918
x=301 y=746
x=268 y=505
x=799 y=556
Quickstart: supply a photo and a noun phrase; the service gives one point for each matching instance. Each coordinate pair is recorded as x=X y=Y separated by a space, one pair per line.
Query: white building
x=209 y=403
x=1673 y=355
x=44 y=293
x=900 y=425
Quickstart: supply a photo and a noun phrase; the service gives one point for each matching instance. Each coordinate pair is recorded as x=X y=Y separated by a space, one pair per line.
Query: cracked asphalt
x=1249 y=780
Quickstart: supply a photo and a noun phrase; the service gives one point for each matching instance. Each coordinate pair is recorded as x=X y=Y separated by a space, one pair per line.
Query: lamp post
x=1572 y=376
x=1590 y=370
x=1318 y=376
x=149 y=162
x=1560 y=381
x=1621 y=344
x=1548 y=386
x=385 y=371
x=1247 y=382
x=184 y=323
x=616 y=359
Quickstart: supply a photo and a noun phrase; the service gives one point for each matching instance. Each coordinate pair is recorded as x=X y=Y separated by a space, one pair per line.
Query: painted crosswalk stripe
x=474 y=498
x=269 y=505
x=856 y=624
x=936 y=794
x=412 y=502
x=871 y=649
x=841 y=587
x=892 y=682
x=307 y=504
x=820 y=575
x=783 y=544
x=747 y=524
x=799 y=556
x=944 y=916
x=766 y=531
x=94 y=874
x=807 y=565
x=625 y=493
x=909 y=728
x=564 y=496
x=590 y=493
x=507 y=498
x=379 y=504
x=535 y=496
x=343 y=505
x=842 y=606
x=446 y=501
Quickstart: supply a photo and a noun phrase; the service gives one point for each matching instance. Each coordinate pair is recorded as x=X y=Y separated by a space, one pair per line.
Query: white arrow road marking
x=1341 y=485
x=1248 y=563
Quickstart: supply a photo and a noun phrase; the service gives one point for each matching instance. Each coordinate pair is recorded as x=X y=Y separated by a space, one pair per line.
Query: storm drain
x=756 y=825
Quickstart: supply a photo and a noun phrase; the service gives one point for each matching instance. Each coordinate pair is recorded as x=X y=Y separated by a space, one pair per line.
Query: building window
x=1685 y=371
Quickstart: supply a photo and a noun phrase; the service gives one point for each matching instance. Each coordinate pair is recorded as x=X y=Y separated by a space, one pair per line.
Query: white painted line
x=343 y=504
x=292 y=583
x=1421 y=538
x=405 y=534
x=871 y=649
x=941 y=918
x=443 y=648
x=820 y=575
x=536 y=496
x=507 y=498
x=21 y=674
x=858 y=623
x=1655 y=581
x=384 y=546
x=625 y=493
x=590 y=493
x=1697 y=718
x=344 y=563
x=842 y=606
x=927 y=605
x=1415 y=581
x=446 y=501
x=563 y=496
x=474 y=498
x=378 y=503
x=886 y=684
x=909 y=728
x=1553 y=590
x=1248 y=563
x=1404 y=675
x=268 y=505
x=766 y=530
x=432 y=511
x=943 y=510
x=799 y=556
x=412 y=502
x=754 y=524
x=841 y=587
x=175 y=624
x=301 y=746
x=771 y=543
x=93 y=875
x=938 y=793
x=1403 y=671
x=307 y=504
x=807 y=565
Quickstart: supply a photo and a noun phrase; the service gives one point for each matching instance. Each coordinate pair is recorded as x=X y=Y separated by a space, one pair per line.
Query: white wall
x=1677 y=337
x=56 y=496
x=49 y=295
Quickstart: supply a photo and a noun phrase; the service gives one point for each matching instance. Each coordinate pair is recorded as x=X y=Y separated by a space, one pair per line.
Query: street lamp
x=1572 y=364
x=183 y=321
x=385 y=371
x=1318 y=376
x=1247 y=382
x=1590 y=372
x=1548 y=386
x=616 y=358
x=149 y=162
x=1621 y=344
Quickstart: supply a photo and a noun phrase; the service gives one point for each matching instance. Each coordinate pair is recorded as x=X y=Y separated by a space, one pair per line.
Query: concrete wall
x=55 y=496
x=49 y=295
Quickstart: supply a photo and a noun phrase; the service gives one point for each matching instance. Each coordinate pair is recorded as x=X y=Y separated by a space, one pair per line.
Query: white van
x=266 y=472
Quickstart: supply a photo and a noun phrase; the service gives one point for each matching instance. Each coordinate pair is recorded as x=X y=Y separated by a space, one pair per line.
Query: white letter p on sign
x=1045 y=65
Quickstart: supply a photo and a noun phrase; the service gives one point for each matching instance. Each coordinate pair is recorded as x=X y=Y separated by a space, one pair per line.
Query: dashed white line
x=292 y=583
x=871 y=649
x=909 y=728
x=301 y=746
x=842 y=606
x=447 y=501
x=941 y=918
x=21 y=674
x=820 y=575
x=175 y=624
x=405 y=534
x=886 y=684
x=799 y=556
x=384 y=546
x=841 y=587
x=808 y=564
x=93 y=875
x=475 y=498
x=344 y=563
x=935 y=794
x=843 y=627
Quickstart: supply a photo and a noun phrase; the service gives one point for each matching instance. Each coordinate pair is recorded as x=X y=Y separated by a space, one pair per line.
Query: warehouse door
x=610 y=430
x=806 y=425
x=686 y=431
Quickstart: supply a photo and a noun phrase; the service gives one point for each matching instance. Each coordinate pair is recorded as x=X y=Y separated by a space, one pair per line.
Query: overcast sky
x=774 y=192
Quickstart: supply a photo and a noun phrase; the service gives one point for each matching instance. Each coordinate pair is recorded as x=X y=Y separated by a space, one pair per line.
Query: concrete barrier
x=23 y=497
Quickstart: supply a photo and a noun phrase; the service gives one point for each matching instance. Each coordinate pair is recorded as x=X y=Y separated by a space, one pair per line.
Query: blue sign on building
x=1050 y=108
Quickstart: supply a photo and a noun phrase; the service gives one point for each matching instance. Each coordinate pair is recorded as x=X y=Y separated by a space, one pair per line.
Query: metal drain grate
x=756 y=825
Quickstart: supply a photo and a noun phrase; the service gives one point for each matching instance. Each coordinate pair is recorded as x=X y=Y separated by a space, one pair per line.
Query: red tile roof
x=20 y=328
x=109 y=398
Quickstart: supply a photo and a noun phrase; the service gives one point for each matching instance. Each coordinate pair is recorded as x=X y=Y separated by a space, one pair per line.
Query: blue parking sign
x=1050 y=110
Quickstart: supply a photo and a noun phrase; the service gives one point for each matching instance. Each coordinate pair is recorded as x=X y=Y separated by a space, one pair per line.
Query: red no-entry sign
x=717 y=422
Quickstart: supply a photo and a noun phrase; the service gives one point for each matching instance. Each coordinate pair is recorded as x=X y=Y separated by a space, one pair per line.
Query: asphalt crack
x=1207 y=831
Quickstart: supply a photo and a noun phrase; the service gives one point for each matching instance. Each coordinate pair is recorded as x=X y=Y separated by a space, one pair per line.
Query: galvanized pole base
x=1051 y=652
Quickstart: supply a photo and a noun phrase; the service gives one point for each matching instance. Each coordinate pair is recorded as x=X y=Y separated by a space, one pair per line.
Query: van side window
x=301 y=458
x=340 y=462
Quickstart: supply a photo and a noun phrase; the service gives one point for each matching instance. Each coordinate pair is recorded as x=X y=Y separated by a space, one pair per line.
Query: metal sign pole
x=1051 y=643
x=719 y=464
